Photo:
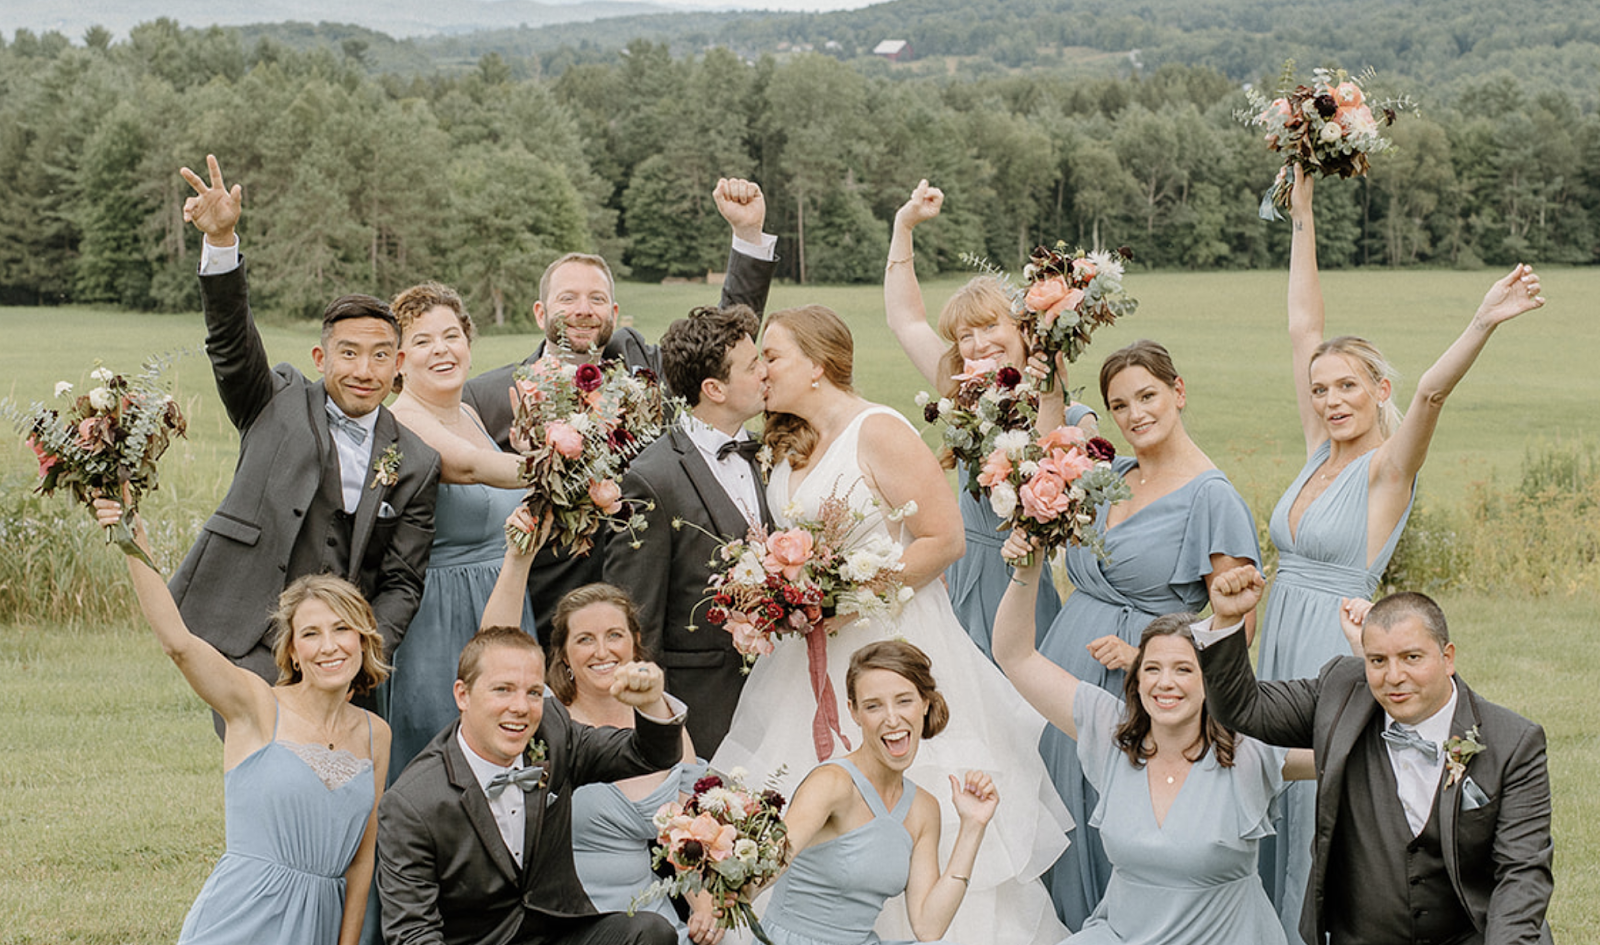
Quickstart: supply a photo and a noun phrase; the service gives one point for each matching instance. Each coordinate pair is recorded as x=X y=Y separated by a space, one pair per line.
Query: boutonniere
x=1458 y=750
x=386 y=468
x=764 y=460
x=536 y=752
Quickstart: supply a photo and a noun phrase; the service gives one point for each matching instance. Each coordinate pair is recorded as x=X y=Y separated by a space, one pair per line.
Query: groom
x=1433 y=804
x=475 y=838
x=703 y=473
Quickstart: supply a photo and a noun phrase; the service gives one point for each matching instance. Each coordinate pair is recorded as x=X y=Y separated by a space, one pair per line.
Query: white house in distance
x=894 y=50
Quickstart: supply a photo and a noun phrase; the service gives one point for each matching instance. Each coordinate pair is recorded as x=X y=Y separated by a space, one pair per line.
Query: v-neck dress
x=1157 y=561
x=1322 y=562
x=1191 y=880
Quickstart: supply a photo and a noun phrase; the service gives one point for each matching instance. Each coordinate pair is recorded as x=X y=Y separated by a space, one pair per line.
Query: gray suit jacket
x=667 y=574
x=230 y=580
x=554 y=572
x=444 y=874
x=1498 y=855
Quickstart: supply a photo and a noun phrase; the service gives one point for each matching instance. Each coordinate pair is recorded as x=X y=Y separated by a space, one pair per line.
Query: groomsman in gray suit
x=1433 y=803
x=702 y=472
x=577 y=307
x=327 y=480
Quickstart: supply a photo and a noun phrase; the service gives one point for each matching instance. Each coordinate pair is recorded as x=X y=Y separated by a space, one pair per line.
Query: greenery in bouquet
x=106 y=442
x=577 y=428
x=1052 y=486
x=989 y=400
x=726 y=840
x=1070 y=293
x=1330 y=126
x=786 y=582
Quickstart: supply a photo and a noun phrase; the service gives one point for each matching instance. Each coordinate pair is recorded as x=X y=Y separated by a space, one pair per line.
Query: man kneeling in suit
x=1433 y=804
x=475 y=838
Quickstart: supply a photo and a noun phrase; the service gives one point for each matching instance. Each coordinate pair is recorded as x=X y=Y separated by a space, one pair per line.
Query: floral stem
x=120 y=535
x=755 y=924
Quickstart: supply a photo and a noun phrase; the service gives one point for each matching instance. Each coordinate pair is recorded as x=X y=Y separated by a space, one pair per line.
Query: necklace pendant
x=1170 y=779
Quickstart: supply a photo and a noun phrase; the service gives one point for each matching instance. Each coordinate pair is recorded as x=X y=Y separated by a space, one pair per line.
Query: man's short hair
x=696 y=348
x=346 y=307
x=1386 y=613
x=588 y=259
x=469 y=667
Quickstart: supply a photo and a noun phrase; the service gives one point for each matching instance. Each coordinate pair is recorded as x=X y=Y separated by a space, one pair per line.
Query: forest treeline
x=358 y=179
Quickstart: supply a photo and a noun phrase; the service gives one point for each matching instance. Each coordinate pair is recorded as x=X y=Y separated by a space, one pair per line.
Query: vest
x=326 y=530
x=1384 y=885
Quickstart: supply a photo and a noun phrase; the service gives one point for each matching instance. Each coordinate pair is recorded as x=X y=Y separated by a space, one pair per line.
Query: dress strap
x=870 y=794
x=277 y=711
x=370 y=753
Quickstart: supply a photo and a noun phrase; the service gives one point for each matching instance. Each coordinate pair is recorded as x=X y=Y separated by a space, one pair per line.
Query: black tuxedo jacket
x=1497 y=855
x=554 y=572
x=667 y=574
x=444 y=874
x=230 y=581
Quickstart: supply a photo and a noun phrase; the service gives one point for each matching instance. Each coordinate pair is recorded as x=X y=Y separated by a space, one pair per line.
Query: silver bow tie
x=1401 y=737
x=340 y=423
x=528 y=779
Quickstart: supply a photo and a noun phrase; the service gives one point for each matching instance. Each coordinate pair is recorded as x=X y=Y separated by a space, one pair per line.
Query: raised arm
x=932 y=895
x=504 y=607
x=902 y=469
x=1047 y=687
x=1278 y=713
x=902 y=296
x=1305 y=305
x=749 y=278
x=1398 y=460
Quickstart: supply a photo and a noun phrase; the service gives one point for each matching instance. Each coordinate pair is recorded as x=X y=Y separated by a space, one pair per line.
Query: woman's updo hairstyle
x=909 y=663
x=1143 y=353
x=823 y=338
x=1366 y=357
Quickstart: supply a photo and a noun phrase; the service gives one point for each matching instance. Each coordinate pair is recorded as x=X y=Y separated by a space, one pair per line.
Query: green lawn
x=110 y=782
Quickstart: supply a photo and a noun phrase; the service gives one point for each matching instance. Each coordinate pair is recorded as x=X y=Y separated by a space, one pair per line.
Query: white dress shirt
x=734 y=474
x=510 y=809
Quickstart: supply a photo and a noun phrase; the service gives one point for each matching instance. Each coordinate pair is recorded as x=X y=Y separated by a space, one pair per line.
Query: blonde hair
x=345 y=600
x=982 y=301
x=1366 y=356
x=422 y=298
x=825 y=340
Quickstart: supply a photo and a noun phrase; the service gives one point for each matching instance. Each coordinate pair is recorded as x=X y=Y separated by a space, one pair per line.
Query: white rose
x=102 y=399
x=103 y=375
x=745 y=850
x=1331 y=132
x=945 y=405
x=1012 y=441
x=63 y=388
x=1028 y=468
x=922 y=398
x=1003 y=500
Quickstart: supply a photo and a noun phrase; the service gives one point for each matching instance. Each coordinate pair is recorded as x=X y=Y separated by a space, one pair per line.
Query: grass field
x=110 y=788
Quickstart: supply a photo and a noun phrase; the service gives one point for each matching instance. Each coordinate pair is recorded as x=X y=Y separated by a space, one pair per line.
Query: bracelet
x=965 y=880
x=1017 y=580
x=900 y=262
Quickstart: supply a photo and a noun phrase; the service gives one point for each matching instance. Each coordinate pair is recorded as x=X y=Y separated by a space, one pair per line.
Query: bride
x=826 y=440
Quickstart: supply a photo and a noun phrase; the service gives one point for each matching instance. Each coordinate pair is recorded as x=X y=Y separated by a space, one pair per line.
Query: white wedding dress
x=991 y=728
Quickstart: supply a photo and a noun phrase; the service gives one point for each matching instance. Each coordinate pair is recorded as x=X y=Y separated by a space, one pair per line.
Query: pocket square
x=1472 y=796
x=387 y=511
x=550 y=799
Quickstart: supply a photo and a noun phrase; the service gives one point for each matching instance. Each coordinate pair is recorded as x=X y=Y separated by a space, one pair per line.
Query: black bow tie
x=746 y=448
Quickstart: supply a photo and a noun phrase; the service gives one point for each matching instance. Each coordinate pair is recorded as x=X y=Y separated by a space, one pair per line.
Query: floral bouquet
x=1051 y=487
x=106 y=439
x=578 y=427
x=990 y=400
x=1327 y=126
x=1071 y=293
x=726 y=840
x=773 y=584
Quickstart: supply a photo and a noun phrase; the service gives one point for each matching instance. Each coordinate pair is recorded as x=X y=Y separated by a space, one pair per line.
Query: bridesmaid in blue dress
x=975 y=325
x=1339 y=523
x=861 y=833
x=596 y=629
x=478 y=488
x=1184 y=525
x=1183 y=801
x=303 y=767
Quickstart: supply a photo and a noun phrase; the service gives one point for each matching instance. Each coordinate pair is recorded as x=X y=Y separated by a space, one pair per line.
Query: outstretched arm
x=1305 y=305
x=1278 y=713
x=504 y=607
x=932 y=896
x=1047 y=687
x=460 y=460
x=902 y=295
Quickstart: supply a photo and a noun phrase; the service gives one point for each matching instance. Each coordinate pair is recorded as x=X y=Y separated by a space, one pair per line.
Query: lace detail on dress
x=335 y=768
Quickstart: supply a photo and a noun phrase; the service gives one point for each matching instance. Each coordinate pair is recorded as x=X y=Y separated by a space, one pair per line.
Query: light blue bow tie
x=528 y=779
x=340 y=423
x=1401 y=737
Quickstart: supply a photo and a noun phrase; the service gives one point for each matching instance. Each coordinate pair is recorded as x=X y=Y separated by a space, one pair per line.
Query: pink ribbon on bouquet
x=825 y=724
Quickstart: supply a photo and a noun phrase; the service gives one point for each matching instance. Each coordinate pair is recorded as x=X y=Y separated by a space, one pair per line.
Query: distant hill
x=398 y=18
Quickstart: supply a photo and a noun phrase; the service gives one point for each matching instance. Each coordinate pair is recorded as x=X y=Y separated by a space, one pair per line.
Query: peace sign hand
x=214 y=209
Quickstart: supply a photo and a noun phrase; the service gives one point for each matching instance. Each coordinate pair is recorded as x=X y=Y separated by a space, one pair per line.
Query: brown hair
x=468 y=666
x=696 y=349
x=588 y=259
x=984 y=300
x=1143 y=353
x=909 y=663
x=558 y=671
x=346 y=307
x=1132 y=733
x=1396 y=607
x=1365 y=356
x=345 y=600
x=413 y=303
x=824 y=339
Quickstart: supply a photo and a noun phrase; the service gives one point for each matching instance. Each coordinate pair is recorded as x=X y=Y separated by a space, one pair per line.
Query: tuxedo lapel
x=317 y=414
x=1466 y=716
x=384 y=436
x=761 y=491
x=726 y=519
x=533 y=824
x=1354 y=716
x=476 y=807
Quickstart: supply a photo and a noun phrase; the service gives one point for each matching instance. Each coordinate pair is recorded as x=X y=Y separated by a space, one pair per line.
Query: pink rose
x=1062 y=438
x=788 y=552
x=606 y=495
x=1044 y=497
x=1348 y=93
x=976 y=368
x=747 y=639
x=996 y=468
x=567 y=441
x=1083 y=270
x=46 y=461
x=1050 y=297
x=1068 y=465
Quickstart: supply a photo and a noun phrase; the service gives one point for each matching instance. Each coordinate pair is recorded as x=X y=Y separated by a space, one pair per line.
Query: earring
x=815 y=385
